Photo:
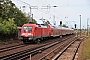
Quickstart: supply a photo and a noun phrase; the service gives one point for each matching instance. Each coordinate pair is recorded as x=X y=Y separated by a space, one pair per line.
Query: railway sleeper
x=50 y=56
x=56 y=51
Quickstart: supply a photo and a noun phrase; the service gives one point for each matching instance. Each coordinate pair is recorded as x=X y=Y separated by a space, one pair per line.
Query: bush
x=8 y=28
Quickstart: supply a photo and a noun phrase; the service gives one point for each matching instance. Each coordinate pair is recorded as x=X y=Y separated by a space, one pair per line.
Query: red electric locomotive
x=32 y=32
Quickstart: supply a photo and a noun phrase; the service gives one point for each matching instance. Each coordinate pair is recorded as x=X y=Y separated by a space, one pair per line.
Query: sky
x=67 y=11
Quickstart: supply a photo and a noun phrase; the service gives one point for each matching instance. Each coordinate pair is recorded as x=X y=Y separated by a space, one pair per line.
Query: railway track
x=52 y=53
x=11 y=47
x=69 y=52
x=33 y=51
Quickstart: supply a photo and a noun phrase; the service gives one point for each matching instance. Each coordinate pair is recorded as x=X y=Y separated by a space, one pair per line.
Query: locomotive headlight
x=29 y=33
x=23 y=33
x=29 y=38
x=26 y=30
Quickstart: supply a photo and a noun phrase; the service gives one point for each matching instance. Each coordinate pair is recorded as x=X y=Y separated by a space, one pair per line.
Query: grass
x=86 y=49
x=5 y=42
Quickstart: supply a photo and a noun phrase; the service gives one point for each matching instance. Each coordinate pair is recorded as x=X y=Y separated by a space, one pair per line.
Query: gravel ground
x=5 y=43
x=79 y=54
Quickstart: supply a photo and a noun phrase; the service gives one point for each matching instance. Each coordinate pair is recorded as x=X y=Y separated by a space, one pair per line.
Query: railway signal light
x=75 y=25
x=60 y=23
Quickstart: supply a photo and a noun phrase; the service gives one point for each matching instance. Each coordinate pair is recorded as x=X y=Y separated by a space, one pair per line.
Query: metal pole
x=30 y=56
x=43 y=20
x=80 y=25
x=54 y=20
x=87 y=26
x=30 y=15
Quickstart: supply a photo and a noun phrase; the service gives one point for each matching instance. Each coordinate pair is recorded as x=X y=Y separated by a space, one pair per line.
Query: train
x=34 y=32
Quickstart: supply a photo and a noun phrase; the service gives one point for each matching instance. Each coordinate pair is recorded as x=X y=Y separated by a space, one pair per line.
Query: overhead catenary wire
x=51 y=14
x=39 y=9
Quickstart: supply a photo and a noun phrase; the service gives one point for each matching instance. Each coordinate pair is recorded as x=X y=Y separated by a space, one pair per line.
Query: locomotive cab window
x=27 y=28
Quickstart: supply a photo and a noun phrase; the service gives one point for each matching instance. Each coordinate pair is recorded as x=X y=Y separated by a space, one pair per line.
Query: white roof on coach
x=63 y=28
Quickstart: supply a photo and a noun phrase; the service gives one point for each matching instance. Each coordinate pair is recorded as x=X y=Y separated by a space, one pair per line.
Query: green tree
x=9 y=10
x=28 y=16
x=47 y=22
x=64 y=25
x=34 y=20
x=20 y=18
